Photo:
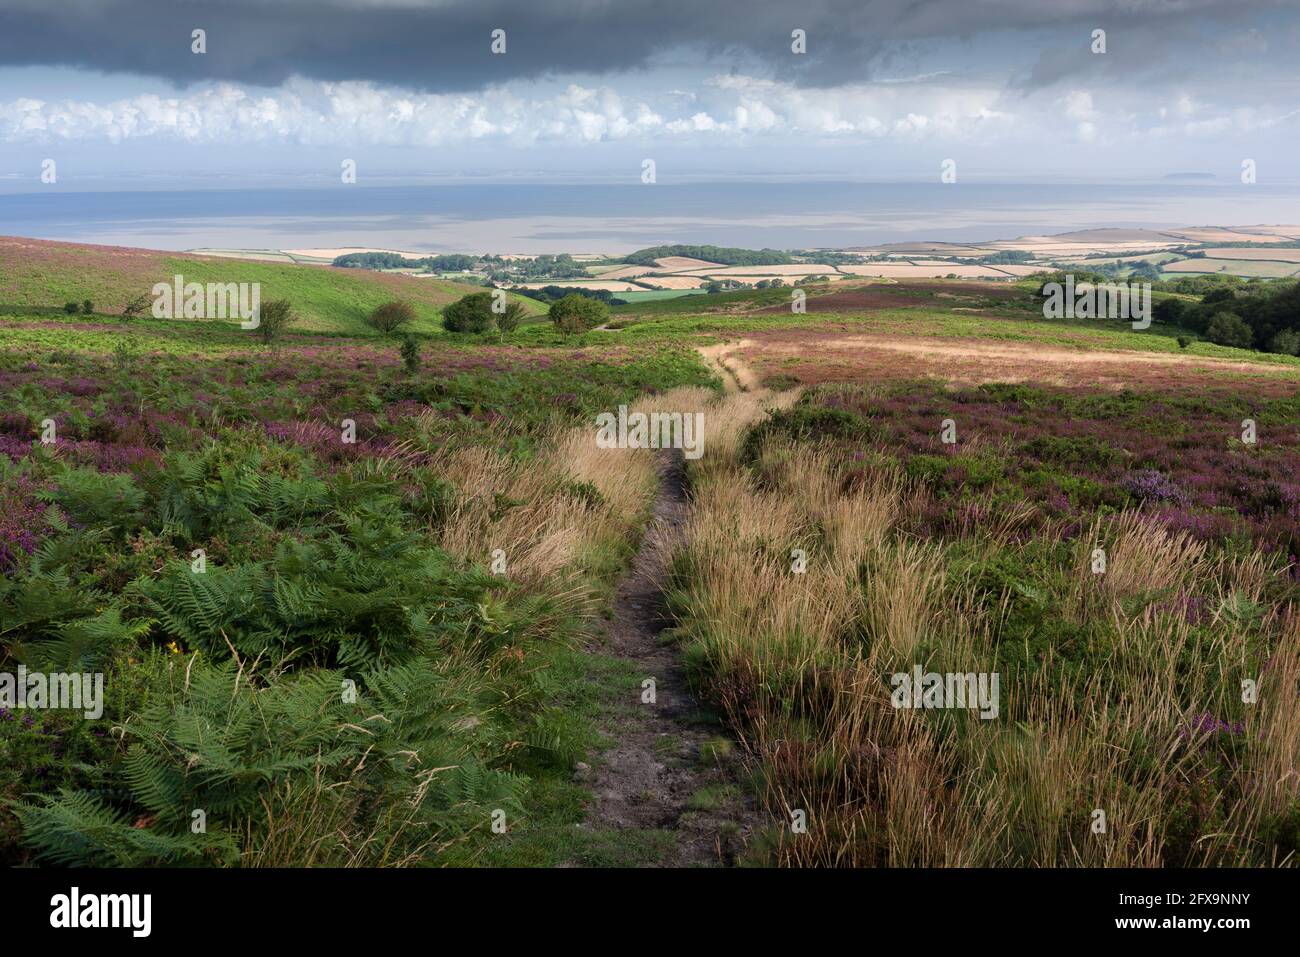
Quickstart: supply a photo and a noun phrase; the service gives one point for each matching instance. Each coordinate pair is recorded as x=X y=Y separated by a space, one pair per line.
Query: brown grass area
x=812 y=357
x=799 y=659
x=902 y=295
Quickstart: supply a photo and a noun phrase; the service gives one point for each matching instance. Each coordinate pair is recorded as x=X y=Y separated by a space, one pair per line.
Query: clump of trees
x=475 y=313
x=574 y=314
x=1228 y=329
x=472 y=313
x=726 y=255
x=562 y=266
x=455 y=262
x=1264 y=316
x=552 y=293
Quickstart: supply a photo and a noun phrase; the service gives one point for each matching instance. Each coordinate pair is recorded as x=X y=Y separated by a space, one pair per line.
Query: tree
x=410 y=353
x=135 y=307
x=391 y=316
x=88 y=307
x=1286 y=342
x=509 y=320
x=1228 y=329
x=575 y=313
x=1169 y=311
x=472 y=313
x=274 y=317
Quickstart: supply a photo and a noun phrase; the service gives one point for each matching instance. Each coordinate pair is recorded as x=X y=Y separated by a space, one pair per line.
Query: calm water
x=619 y=218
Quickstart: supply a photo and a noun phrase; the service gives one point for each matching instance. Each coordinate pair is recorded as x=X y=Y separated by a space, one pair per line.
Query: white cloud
x=311 y=113
x=727 y=109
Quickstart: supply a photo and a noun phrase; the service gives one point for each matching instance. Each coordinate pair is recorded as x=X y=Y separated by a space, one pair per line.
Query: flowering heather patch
x=325 y=442
x=20 y=520
x=117 y=418
x=106 y=456
x=15 y=448
x=1207 y=723
x=1148 y=485
x=1072 y=451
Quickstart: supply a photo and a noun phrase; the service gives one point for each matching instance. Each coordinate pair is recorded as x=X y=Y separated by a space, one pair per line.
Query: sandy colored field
x=1090 y=241
x=811 y=357
x=619 y=272
x=333 y=252
x=682 y=263
x=606 y=285
x=257 y=255
x=1208 y=234
x=937 y=249
x=674 y=282
x=1105 y=261
x=1236 y=267
x=1288 y=232
x=1272 y=255
x=962 y=271
x=810 y=269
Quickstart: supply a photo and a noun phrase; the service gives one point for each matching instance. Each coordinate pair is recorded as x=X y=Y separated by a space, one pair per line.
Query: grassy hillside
x=38 y=275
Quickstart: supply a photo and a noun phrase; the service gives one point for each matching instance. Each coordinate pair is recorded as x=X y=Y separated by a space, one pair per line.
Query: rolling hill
x=37 y=275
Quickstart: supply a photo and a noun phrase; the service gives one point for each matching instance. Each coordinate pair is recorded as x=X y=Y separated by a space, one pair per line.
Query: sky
x=587 y=90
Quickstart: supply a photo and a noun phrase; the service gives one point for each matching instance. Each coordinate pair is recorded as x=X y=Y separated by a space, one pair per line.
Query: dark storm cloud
x=442 y=45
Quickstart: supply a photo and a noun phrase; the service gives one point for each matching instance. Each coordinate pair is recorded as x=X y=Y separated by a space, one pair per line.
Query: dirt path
x=672 y=767
x=735 y=375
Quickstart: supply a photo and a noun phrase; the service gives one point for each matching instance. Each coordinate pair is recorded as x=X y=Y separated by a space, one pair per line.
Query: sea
x=528 y=217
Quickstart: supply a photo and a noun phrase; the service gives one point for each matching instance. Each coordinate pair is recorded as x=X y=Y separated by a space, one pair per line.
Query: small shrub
x=87 y=307
x=275 y=316
x=410 y=353
x=574 y=314
x=71 y=308
x=472 y=313
x=125 y=353
x=391 y=316
x=136 y=307
x=1184 y=342
x=509 y=320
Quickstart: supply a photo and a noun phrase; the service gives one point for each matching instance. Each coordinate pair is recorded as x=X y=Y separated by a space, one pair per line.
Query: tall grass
x=1147 y=725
